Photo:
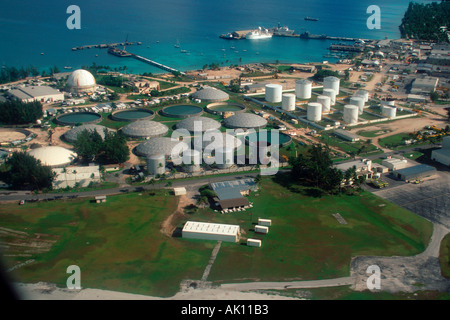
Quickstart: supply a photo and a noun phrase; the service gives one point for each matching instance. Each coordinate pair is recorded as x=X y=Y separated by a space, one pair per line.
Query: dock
x=106 y=45
x=156 y=64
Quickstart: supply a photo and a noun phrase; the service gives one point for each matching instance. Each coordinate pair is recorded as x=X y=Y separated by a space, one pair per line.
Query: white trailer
x=254 y=243
x=261 y=229
x=264 y=222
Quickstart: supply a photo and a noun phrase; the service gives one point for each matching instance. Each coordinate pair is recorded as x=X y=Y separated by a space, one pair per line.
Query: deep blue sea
x=29 y=28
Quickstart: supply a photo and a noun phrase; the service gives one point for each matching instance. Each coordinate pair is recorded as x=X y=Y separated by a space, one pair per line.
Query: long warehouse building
x=211 y=231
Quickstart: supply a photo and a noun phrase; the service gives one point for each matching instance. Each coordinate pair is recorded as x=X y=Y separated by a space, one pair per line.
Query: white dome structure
x=198 y=124
x=160 y=145
x=53 y=156
x=81 y=81
x=72 y=134
x=144 y=129
x=213 y=140
x=245 y=121
x=210 y=94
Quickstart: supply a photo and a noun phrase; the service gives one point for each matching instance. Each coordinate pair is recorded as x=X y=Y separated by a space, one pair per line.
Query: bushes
x=18 y=112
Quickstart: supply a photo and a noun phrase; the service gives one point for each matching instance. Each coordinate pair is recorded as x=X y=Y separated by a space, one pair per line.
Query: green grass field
x=306 y=242
x=444 y=256
x=119 y=246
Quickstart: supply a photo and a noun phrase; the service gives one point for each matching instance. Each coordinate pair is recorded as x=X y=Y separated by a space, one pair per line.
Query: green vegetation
x=112 y=149
x=315 y=169
x=423 y=21
x=117 y=244
x=23 y=171
x=444 y=256
x=306 y=242
x=323 y=73
x=395 y=140
x=11 y=74
x=18 y=112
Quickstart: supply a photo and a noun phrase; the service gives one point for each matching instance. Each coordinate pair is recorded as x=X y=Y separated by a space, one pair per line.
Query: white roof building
x=42 y=94
x=211 y=231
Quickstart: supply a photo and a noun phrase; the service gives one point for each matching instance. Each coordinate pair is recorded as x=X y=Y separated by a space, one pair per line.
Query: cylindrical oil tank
x=359 y=102
x=332 y=83
x=325 y=101
x=224 y=158
x=330 y=93
x=303 y=89
x=389 y=111
x=351 y=114
x=288 y=102
x=156 y=164
x=364 y=94
x=314 y=111
x=273 y=93
x=191 y=160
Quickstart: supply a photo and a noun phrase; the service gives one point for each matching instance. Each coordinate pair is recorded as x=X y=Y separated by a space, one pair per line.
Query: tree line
x=18 y=112
x=423 y=21
x=23 y=171
x=315 y=169
x=91 y=147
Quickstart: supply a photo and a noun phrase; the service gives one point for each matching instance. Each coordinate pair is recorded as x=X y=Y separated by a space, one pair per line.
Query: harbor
x=106 y=45
x=285 y=32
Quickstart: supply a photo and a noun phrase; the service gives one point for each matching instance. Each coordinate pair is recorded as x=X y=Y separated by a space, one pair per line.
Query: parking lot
x=429 y=199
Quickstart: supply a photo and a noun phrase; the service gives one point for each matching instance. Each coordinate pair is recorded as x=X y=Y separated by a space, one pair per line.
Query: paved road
x=21 y=195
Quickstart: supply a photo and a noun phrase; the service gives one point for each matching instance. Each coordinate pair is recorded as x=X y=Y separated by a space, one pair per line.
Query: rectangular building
x=42 y=94
x=211 y=231
x=442 y=155
x=416 y=172
x=346 y=135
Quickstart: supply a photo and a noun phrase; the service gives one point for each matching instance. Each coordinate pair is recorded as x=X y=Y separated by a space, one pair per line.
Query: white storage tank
x=288 y=102
x=332 y=83
x=330 y=93
x=224 y=158
x=325 y=101
x=314 y=111
x=156 y=164
x=303 y=89
x=273 y=93
x=254 y=243
x=351 y=114
x=191 y=160
x=359 y=102
x=364 y=94
x=261 y=229
x=389 y=111
x=264 y=222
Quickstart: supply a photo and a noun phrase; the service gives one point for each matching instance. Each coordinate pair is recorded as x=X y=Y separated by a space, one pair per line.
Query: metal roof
x=211 y=228
x=211 y=94
x=72 y=134
x=160 y=145
x=198 y=124
x=412 y=171
x=245 y=120
x=145 y=129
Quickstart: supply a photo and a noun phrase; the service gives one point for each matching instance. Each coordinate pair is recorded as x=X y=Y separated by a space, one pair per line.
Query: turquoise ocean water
x=29 y=28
